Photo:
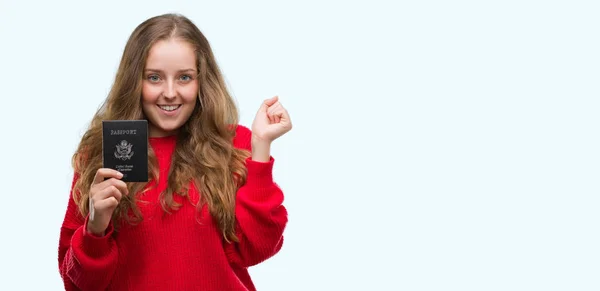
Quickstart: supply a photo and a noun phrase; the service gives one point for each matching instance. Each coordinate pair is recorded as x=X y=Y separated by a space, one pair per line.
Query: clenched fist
x=272 y=121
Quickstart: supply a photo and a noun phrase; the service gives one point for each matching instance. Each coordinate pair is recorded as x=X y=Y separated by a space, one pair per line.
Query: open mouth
x=169 y=108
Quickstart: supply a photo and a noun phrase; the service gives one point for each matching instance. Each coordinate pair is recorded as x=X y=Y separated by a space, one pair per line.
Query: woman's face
x=170 y=86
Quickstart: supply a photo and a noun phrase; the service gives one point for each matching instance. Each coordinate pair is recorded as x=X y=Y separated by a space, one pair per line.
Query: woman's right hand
x=105 y=194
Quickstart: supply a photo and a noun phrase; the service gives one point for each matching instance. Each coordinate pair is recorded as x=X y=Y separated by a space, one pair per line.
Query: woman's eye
x=186 y=78
x=153 y=78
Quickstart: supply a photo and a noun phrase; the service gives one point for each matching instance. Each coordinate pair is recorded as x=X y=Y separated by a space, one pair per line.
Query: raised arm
x=260 y=215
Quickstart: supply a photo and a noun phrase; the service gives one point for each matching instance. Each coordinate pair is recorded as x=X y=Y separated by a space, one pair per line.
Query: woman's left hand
x=272 y=121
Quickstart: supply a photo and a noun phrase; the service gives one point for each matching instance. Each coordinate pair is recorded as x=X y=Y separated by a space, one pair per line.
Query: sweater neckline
x=163 y=143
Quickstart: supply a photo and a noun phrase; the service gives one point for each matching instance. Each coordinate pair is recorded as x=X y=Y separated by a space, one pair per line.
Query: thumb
x=270 y=101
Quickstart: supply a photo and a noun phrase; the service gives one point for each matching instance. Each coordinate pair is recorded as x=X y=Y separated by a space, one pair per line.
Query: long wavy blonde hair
x=204 y=153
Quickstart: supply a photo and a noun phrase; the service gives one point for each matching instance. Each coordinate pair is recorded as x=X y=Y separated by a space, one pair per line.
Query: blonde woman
x=210 y=209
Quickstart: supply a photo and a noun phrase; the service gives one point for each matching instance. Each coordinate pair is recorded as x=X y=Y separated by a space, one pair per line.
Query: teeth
x=168 y=107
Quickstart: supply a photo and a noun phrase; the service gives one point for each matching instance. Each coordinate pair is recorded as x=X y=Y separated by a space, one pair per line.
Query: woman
x=210 y=209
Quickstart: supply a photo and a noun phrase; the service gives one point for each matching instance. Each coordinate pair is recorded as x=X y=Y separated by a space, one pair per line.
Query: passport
x=125 y=148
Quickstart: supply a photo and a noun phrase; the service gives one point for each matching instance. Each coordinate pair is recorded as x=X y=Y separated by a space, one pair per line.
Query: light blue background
x=438 y=145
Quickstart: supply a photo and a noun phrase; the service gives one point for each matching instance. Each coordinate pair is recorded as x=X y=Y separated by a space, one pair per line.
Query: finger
x=270 y=101
x=277 y=116
x=274 y=109
x=110 y=191
x=104 y=173
x=122 y=186
x=278 y=110
x=274 y=118
x=275 y=106
x=108 y=203
x=285 y=118
x=264 y=107
x=270 y=117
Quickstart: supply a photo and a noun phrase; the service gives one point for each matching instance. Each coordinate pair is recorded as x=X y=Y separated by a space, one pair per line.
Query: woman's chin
x=164 y=130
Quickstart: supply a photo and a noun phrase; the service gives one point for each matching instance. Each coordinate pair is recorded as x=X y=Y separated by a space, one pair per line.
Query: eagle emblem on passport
x=123 y=151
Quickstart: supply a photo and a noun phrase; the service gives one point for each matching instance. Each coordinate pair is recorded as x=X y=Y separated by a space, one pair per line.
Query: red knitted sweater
x=176 y=251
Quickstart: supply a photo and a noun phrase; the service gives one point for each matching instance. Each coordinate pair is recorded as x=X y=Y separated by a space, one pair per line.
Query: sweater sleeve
x=85 y=261
x=260 y=215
